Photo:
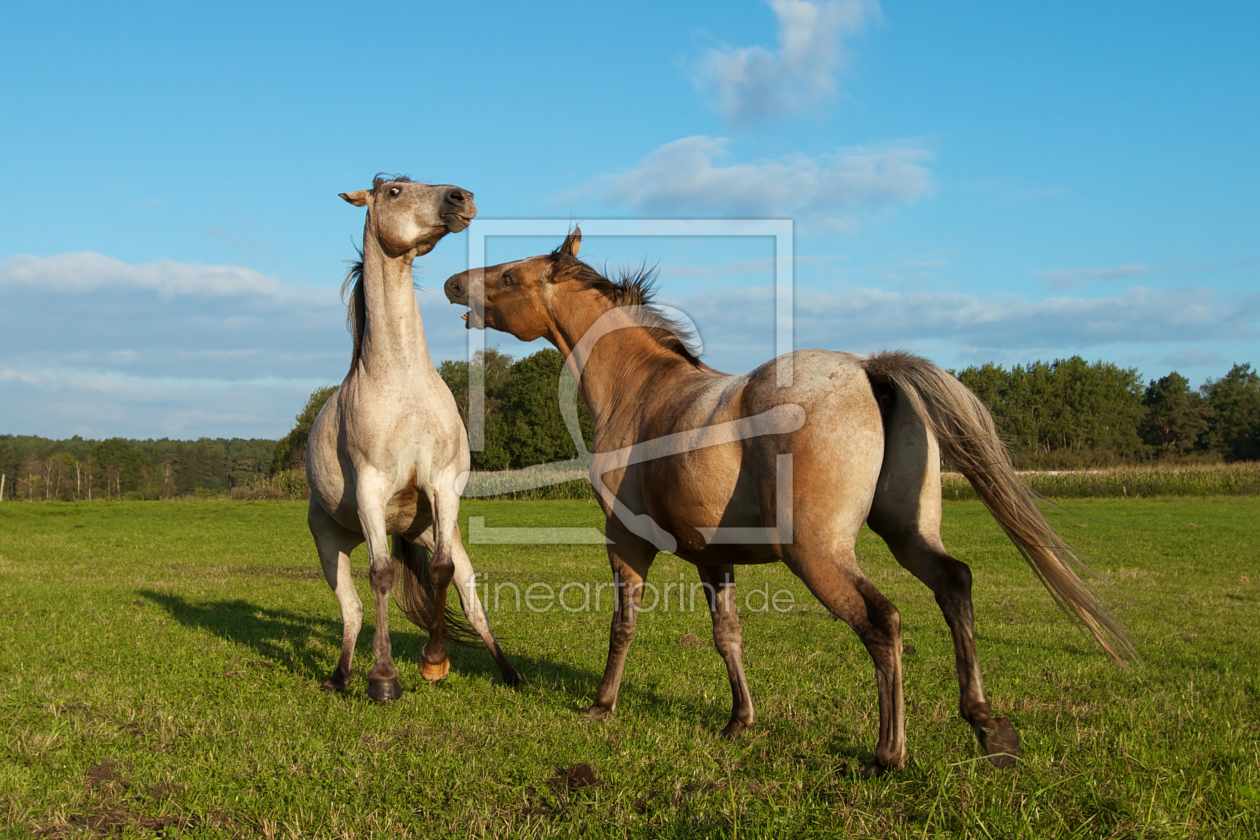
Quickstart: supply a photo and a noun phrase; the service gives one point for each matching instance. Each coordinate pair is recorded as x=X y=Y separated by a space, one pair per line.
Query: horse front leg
x=334 y=544
x=630 y=558
x=435 y=660
x=728 y=638
x=383 y=678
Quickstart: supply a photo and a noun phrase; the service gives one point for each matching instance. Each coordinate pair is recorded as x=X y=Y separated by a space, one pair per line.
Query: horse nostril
x=459 y=196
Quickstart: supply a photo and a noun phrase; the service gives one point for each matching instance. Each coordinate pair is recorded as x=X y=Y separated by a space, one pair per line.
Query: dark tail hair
x=961 y=423
x=414 y=594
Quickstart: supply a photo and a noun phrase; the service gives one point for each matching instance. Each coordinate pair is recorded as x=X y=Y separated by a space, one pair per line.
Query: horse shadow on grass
x=307 y=646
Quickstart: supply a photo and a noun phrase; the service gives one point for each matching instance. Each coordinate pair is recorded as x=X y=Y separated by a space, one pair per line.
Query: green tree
x=494 y=368
x=290 y=452
x=1233 y=414
x=1175 y=417
x=531 y=411
x=132 y=464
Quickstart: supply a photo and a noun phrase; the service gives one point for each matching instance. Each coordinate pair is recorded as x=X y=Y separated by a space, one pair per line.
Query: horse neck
x=620 y=366
x=393 y=334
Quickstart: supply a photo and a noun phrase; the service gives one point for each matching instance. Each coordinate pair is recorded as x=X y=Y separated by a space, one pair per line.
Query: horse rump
x=964 y=429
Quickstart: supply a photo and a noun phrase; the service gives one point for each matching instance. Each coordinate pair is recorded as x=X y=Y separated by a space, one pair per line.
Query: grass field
x=160 y=667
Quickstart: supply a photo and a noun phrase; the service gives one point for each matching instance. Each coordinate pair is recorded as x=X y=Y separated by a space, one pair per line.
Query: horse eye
x=394 y=191
x=507 y=280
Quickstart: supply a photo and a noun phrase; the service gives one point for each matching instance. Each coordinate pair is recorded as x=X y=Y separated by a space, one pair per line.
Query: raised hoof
x=433 y=673
x=1000 y=741
x=874 y=770
x=597 y=712
x=733 y=730
x=337 y=682
x=382 y=690
x=513 y=678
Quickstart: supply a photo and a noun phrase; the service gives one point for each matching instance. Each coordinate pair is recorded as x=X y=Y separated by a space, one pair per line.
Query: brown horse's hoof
x=513 y=678
x=874 y=770
x=597 y=712
x=382 y=690
x=733 y=730
x=999 y=740
x=433 y=673
x=337 y=682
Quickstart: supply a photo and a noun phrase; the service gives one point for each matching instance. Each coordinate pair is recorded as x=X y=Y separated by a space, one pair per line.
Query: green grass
x=160 y=668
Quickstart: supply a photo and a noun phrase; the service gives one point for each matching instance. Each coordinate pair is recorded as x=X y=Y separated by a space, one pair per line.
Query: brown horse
x=700 y=463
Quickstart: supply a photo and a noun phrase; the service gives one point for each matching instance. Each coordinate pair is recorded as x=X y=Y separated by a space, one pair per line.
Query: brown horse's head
x=558 y=297
x=410 y=218
x=520 y=295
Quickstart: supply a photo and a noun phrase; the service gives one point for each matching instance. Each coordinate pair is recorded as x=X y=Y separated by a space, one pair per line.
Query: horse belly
x=709 y=491
x=408 y=512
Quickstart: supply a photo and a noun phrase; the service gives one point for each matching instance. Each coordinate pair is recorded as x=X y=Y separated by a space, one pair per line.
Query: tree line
x=1071 y=413
x=38 y=469
x=1068 y=413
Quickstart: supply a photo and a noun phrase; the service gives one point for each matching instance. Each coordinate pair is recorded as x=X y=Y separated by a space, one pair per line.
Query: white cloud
x=751 y=83
x=737 y=326
x=88 y=342
x=1072 y=278
x=681 y=179
x=86 y=271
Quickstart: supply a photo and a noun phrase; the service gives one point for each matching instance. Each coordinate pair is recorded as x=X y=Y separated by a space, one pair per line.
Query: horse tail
x=414 y=594
x=963 y=427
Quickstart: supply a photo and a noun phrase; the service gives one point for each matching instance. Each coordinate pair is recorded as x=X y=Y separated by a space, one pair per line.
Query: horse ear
x=358 y=198
x=572 y=243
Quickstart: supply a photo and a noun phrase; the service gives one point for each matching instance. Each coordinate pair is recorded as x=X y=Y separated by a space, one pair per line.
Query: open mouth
x=471 y=321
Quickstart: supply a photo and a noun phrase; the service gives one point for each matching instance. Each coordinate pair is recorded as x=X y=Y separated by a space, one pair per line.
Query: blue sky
x=975 y=182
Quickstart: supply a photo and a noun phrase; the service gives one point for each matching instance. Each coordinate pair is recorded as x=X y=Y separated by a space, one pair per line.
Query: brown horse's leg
x=950 y=582
x=334 y=544
x=719 y=587
x=630 y=561
x=843 y=589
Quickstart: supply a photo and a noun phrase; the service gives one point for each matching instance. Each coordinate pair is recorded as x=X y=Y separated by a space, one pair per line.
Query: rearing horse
x=388 y=448
x=695 y=461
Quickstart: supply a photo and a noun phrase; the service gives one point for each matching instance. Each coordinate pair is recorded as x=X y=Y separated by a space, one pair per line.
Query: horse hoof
x=382 y=690
x=874 y=770
x=733 y=730
x=513 y=678
x=433 y=673
x=1000 y=742
x=337 y=682
x=597 y=712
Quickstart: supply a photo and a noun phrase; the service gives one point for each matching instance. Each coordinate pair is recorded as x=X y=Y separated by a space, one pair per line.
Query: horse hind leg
x=466 y=589
x=950 y=582
x=906 y=512
x=842 y=588
x=334 y=544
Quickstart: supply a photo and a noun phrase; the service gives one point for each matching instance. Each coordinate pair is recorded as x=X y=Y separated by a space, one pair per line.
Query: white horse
x=388 y=448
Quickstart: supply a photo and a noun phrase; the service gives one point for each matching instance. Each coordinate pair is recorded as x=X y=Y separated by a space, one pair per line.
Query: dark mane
x=385 y=178
x=356 y=320
x=635 y=287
